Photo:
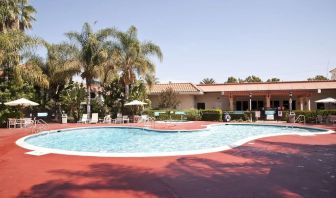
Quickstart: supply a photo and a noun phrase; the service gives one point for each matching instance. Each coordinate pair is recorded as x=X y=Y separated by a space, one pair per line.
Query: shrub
x=245 y=116
x=167 y=114
x=311 y=115
x=211 y=114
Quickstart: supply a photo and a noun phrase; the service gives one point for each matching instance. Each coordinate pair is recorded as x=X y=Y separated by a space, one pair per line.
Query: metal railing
x=300 y=119
x=39 y=125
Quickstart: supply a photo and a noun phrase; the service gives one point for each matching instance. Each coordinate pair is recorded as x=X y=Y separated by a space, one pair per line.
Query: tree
x=232 y=79
x=318 y=77
x=91 y=53
x=134 y=57
x=58 y=67
x=71 y=98
x=208 y=81
x=273 y=80
x=253 y=79
x=16 y=15
x=168 y=99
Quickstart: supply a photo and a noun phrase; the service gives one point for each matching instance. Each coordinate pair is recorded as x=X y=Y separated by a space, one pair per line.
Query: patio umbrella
x=21 y=102
x=326 y=100
x=135 y=103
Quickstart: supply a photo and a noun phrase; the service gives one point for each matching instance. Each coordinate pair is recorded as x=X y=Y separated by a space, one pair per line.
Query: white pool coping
x=21 y=142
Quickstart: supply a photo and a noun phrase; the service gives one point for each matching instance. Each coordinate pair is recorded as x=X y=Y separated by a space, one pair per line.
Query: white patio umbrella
x=326 y=100
x=135 y=103
x=21 y=102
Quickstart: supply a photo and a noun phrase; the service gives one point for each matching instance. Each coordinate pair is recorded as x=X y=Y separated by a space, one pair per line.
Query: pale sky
x=288 y=39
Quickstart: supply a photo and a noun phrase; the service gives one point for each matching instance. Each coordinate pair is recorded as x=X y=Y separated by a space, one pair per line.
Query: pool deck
x=281 y=166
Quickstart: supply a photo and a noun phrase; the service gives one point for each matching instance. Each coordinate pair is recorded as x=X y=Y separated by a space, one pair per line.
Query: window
x=245 y=106
x=254 y=105
x=238 y=106
x=201 y=105
x=260 y=104
x=275 y=103
x=293 y=105
x=320 y=106
x=285 y=104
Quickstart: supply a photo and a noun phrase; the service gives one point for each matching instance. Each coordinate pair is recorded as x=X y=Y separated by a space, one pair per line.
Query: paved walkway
x=282 y=166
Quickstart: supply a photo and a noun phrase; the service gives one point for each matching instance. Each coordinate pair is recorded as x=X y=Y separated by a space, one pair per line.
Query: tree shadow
x=308 y=172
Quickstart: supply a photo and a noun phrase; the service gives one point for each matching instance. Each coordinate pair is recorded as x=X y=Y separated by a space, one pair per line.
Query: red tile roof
x=181 y=88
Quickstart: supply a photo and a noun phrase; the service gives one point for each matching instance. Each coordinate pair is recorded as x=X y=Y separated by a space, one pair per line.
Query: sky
x=287 y=39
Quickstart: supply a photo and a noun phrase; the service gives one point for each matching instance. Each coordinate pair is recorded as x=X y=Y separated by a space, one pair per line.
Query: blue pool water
x=136 y=140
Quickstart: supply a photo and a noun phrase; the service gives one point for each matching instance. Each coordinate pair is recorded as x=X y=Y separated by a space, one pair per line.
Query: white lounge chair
x=94 y=118
x=143 y=119
x=84 y=119
x=107 y=119
x=119 y=119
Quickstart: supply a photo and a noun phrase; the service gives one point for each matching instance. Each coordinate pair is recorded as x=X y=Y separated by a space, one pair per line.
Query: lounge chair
x=107 y=119
x=94 y=118
x=84 y=119
x=143 y=119
x=119 y=119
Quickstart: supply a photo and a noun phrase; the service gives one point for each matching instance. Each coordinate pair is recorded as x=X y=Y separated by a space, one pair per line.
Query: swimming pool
x=141 y=142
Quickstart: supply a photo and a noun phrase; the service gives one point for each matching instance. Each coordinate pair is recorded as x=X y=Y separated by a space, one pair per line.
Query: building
x=237 y=96
x=333 y=74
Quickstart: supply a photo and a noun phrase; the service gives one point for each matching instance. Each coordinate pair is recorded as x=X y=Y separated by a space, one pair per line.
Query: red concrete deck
x=282 y=166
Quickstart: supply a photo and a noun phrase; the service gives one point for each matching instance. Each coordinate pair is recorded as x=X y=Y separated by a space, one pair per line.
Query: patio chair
x=319 y=119
x=84 y=119
x=11 y=122
x=27 y=122
x=94 y=118
x=119 y=119
x=125 y=119
x=107 y=119
x=143 y=119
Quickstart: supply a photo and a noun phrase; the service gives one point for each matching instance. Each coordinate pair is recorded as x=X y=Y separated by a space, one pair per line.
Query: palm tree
x=208 y=81
x=16 y=15
x=59 y=67
x=134 y=57
x=14 y=47
x=91 y=53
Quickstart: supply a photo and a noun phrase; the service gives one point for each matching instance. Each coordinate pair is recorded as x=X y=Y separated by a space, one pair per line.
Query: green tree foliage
x=232 y=79
x=16 y=15
x=113 y=94
x=71 y=98
x=318 y=77
x=135 y=57
x=273 y=80
x=253 y=79
x=208 y=81
x=91 y=53
x=168 y=99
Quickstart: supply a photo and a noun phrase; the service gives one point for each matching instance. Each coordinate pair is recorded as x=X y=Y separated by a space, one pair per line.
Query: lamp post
x=250 y=107
x=250 y=95
x=290 y=101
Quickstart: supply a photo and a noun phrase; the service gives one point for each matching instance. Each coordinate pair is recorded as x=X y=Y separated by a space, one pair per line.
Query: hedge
x=312 y=115
x=211 y=114
x=169 y=114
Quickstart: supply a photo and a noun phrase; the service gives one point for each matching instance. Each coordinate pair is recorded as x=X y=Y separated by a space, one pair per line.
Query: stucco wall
x=186 y=101
x=216 y=100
